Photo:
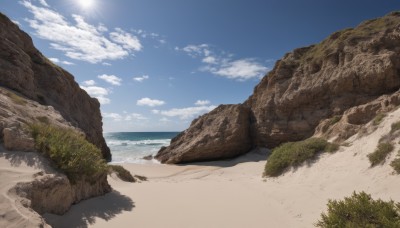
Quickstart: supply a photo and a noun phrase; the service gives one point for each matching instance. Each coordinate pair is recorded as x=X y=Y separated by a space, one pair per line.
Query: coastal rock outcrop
x=222 y=133
x=25 y=70
x=34 y=91
x=351 y=67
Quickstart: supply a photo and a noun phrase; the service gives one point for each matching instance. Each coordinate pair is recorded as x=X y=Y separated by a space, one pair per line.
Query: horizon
x=155 y=66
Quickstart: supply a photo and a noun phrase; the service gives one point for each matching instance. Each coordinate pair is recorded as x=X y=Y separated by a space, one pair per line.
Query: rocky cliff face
x=25 y=70
x=308 y=85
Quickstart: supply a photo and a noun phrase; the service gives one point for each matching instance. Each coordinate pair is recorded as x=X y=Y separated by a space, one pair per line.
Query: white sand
x=17 y=167
x=233 y=194
x=217 y=194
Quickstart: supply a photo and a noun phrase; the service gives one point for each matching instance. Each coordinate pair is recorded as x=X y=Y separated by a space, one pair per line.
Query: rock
x=148 y=157
x=25 y=70
x=53 y=193
x=16 y=139
x=222 y=133
x=351 y=67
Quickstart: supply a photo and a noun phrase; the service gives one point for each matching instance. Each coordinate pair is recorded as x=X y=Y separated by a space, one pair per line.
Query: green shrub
x=43 y=119
x=380 y=154
x=294 y=154
x=360 y=210
x=16 y=99
x=378 y=119
x=396 y=165
x=121 y=172
x=395 y=127
x=334 y=120
x=70 y=152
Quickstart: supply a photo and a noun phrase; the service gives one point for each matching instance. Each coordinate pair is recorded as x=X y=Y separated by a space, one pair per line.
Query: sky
x=155 y=65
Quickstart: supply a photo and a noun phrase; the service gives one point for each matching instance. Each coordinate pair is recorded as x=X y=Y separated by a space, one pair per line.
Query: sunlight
x=86 y=4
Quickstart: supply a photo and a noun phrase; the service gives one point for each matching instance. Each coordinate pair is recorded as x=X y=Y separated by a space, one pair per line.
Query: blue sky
x=156 y=64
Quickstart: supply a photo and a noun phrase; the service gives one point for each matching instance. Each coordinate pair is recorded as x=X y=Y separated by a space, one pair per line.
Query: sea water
x=131 y=147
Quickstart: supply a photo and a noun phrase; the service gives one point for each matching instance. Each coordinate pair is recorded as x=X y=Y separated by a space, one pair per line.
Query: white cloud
x=125 y=117
x=164 y=119
x=105 y=64
x=44 y=3
x=112 y=79
x=113 y=116
x=127 y=40
x=80 y=40
x=135 y=116
x=149 y=102
x=223 y=64
x=155 y=111
x=210 y=60
x=98 y=92
x=241 y=69
x=141 y=78
x=16 y=22
x=89 y=83
x=196 y=50
x=187 y=113
x=56 y=60
x=202 y=102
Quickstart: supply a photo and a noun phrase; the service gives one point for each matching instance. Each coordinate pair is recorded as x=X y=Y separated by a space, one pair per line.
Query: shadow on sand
x=31 y=159
x=86 y=212
x=256 y=155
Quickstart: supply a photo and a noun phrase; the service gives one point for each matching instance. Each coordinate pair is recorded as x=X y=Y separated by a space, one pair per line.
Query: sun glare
x=86 y=4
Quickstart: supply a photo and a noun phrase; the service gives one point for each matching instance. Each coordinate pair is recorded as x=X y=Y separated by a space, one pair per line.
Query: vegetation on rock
x=360 y=210
x=70 y=152
x=293 y=154
x=380 y=154
x=378 y=119
x=121 y=172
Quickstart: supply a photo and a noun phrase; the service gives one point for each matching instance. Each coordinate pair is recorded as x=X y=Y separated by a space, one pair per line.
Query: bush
x=360 y=210
x=334 y=120
x=70 y=152
x=121 y=172
x=294 y=154
x=396 y=165
x=380 y=154
x=378 y=119
x=16 y=99
x=395 y=127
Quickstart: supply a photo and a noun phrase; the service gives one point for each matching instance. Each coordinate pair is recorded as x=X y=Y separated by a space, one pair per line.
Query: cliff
x=35 y=92
x=25 y=70
x=307 y=87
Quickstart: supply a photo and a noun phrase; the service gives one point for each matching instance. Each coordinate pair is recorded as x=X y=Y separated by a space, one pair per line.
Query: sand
x=17 y=167
x=229 y=193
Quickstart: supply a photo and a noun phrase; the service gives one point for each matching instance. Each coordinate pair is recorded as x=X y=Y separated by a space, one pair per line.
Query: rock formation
x=351 y=67
x=25 y=70
x=222 y=133
x=34 y=90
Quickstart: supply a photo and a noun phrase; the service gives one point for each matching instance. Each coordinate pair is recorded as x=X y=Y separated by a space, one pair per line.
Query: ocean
x=131 y=147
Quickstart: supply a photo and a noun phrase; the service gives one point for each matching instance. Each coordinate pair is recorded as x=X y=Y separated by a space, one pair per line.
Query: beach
x=233 y=193
x=228 y=193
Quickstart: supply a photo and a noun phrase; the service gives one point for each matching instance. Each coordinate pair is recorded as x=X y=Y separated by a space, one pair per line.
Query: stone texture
x=25 y=70
x=222 y=133
x=308 y=85
x=53 y=193
x=17 y=139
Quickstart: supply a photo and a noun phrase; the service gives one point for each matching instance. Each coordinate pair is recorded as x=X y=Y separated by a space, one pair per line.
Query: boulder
x=222 y=133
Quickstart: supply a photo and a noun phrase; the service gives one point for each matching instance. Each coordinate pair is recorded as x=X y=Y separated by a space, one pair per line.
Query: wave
x=147 y=142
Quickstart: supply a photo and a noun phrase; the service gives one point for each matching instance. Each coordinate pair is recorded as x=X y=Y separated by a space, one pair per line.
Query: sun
x=86 y=4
